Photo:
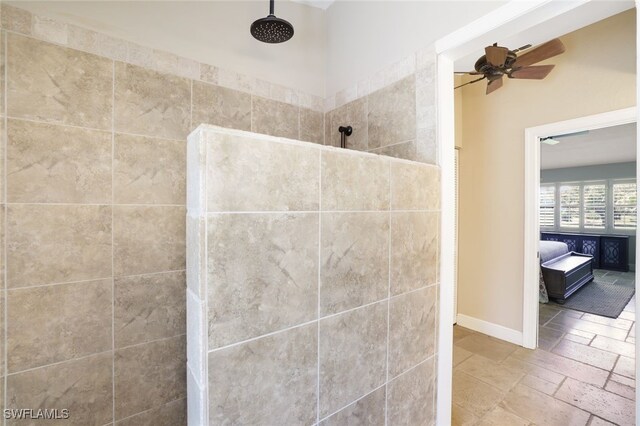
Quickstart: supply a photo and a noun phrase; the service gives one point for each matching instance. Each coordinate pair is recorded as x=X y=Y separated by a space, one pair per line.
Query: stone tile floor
x=582 y=373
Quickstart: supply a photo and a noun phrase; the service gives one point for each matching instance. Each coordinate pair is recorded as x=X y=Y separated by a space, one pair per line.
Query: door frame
x=509 y=19
x=532 y=136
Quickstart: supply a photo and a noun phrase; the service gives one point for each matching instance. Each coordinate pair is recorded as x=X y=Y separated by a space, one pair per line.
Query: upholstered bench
x=564 y=275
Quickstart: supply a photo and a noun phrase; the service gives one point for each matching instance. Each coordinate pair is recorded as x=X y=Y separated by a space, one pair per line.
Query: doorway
x=505 y=22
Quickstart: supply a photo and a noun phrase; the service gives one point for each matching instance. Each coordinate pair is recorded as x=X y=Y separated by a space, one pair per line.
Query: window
x=624 y=205
x=570 y=206
x=547 y=206
x=594 y=203
x=606 y=206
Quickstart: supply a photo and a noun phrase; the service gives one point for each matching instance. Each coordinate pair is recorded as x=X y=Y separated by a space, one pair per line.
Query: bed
x=549 y=250
x=562 y=272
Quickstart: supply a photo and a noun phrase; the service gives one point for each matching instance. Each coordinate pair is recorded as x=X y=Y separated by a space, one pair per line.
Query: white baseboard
x=490 y=329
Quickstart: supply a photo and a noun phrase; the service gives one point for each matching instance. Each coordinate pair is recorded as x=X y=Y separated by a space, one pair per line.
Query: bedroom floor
x=581 y=374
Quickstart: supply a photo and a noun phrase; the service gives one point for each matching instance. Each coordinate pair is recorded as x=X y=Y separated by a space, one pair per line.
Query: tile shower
x=312 y=283
x=93 y=189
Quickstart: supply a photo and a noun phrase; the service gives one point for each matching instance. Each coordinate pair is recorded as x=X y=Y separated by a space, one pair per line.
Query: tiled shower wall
x=392 y=113
x=94 y=223
x=312 y=283
x=92 y=203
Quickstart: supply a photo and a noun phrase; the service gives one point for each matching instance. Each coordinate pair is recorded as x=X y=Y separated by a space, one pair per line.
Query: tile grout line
x=92 y=129
x=5 y=292
x=29 y=287
x=113 y=281
x=386 y=384
x=319 y=283
x=107 y=351
x=146 y=411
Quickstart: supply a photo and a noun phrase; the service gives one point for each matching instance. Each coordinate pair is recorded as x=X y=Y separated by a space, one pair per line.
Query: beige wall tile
x=252 y=174
x=281 y=389
x=311 y=126
x=427 y=146
x=171 y=414
x=149 y=307
x=57 y=84
x=353 y=352
x=414 y=186
x=221 y=106
x=543 y=409
x=412 y=331
x=148 y=239
x=404 y=150
x=16 y=19
x=366 y=411
x=263 y=274
x=57 y=323
x=3 y=154
x=354 y=182
x=149 y=375
x=151 y=103
x=49 y=29
x=2 y=69
x=426 y=97
x=57 y=243
x=355 y=260
x=353 y=114
x=82 y=386
x=392 y=114
x=274 y=118
x=209 y=73
x=57 y=164
x=410 y=400
x=414 y=250
x=149 y=170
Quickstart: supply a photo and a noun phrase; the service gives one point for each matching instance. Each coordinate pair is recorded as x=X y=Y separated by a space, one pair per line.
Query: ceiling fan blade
x=494 y=85
x=467 y=72
x=496 y=55
x=470 y=82
x=540 y=53
x=536 y=72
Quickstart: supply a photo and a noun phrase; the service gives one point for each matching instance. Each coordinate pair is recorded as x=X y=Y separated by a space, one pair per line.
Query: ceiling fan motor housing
x=484 y=67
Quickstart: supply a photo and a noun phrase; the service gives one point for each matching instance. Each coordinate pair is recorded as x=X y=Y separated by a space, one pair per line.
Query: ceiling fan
x=499 y=61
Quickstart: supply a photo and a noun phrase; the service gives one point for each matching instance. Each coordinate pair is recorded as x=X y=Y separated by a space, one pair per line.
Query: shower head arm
x=271 y=7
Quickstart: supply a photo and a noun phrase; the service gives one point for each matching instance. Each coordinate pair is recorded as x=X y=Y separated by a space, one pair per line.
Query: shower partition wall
x=312 y=283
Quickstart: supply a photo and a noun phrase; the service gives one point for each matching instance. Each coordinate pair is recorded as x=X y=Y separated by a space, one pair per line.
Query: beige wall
x=312 y=287
x=595 y=74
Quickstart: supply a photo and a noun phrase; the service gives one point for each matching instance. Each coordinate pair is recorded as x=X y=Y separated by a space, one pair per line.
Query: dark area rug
x=602 y=296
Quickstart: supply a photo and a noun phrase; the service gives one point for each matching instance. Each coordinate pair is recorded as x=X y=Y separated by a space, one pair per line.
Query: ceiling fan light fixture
x=550 y=141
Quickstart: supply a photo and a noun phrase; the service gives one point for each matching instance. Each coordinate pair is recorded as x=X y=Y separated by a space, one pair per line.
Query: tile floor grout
x=593 y=399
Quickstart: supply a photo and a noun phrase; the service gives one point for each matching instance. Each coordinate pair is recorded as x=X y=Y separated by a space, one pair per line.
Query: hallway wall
x=596 y=74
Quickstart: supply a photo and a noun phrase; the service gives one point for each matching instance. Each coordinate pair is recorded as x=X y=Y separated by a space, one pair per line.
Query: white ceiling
x=321 y=4
x=603 y=146
x=573 y=20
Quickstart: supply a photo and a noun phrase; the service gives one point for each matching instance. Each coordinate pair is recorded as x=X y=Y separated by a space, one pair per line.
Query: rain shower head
x=271 y=29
